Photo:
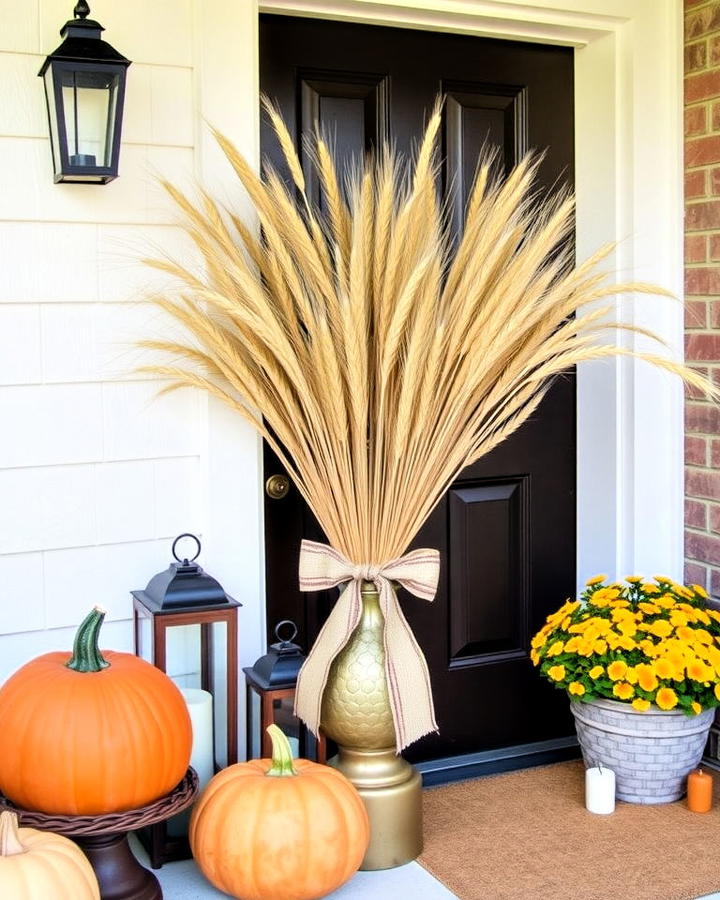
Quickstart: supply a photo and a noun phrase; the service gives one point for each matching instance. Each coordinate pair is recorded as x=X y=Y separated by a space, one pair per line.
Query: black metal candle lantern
x=85 y=94
x=270 y=698
x=186 y=604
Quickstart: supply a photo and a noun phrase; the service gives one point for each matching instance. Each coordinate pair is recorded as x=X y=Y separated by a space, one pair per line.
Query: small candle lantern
x=184 y=622
x=271 y=697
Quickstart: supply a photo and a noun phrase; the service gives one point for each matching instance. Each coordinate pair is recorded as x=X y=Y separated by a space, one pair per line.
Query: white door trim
x=628 y=90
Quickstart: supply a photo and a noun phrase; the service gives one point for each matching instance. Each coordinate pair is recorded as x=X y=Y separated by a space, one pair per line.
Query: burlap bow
x=408 y=679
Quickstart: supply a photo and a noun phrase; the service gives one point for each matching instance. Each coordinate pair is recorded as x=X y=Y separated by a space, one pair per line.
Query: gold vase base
x=392 y=792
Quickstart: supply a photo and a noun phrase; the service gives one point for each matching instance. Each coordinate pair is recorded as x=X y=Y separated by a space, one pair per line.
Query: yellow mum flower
x=576 y=688
x=619 y=614
x=556 y=649
x=649 y=588
x=633 y=579
x=534 y=657
x=662 y=579
x=628 y=627
x=565 y=622
x=684 y=633
x=538 y=641
x=663 y=668
x=596 y=579
x=696 y=708
x=699 y=590
x=649 y=609
x=716 y=691
x=631 y=675
x=646 y=677
x=699 y=671
x=572 y=644
x=585 y=648
x=557 y=673
x=661 y=628
x=623 y=690
x=666 y=698
x=640 y=705
x=600 y=647
x=666 y=601
x=683 y=591
x=616 y=670
x=703 y=636
x=596 y=672
x=647 y=647
x=627 y=643
x=678 y=618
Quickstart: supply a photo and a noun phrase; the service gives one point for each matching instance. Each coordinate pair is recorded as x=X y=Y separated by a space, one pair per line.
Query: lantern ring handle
x=179 y=538
x=292 y=637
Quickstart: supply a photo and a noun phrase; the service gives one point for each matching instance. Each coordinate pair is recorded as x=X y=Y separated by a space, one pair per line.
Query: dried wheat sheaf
x=377 y=358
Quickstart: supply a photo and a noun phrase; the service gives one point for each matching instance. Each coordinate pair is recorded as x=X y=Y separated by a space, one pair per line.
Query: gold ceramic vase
x=356 y=714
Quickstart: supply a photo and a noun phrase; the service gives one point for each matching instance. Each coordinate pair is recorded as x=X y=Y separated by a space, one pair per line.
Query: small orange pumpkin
x=279 y=829
x=38 y=865
x=93 y=734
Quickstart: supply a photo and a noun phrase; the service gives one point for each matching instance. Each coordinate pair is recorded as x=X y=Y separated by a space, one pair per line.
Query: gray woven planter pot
x=650 y=752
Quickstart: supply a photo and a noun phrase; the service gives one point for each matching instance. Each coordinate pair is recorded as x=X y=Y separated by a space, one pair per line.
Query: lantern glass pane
x=285 y=719
x=52 y=116
x=218 y=667
x=89 y=100
x=144 y=649
x=182 y=648
x=255 y=724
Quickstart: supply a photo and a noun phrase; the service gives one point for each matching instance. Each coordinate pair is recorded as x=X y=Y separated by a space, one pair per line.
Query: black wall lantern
x=85 y=93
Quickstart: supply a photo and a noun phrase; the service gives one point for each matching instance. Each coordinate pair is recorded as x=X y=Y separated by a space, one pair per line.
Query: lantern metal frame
x=273 y=678
x=83 y=51
x=186 y=595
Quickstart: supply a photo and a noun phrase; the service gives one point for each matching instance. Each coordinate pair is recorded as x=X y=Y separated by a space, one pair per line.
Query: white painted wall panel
x=159 y=32
x=20 y=32
x=51 y=424
x=21 y=340
x=45 y=262
x=22 y=111
x=21 y=594
x=124 y=502
x=138 y=424
x=69 y=342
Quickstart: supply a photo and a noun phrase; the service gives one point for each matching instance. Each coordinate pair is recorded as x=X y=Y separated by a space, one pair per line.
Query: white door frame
x=628 y=95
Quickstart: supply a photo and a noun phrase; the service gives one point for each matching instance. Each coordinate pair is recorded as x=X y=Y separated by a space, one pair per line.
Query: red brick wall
x=702 y=288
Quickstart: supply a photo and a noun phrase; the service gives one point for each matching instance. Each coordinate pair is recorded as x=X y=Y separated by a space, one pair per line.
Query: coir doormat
x=527 y=836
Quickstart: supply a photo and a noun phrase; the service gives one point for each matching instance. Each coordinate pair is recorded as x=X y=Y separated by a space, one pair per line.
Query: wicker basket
x=650 y=752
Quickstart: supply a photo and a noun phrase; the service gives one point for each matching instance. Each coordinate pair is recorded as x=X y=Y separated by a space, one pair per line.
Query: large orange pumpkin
x=39 y=865
x=279 y=829
x=96 y=733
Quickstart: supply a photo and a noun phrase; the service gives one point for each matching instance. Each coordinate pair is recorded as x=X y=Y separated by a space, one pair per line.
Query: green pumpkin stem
x=86 y=654
x=10 y=844
x=282 y=758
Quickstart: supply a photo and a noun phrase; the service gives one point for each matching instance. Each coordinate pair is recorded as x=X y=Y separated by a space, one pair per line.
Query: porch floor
x=183 y=881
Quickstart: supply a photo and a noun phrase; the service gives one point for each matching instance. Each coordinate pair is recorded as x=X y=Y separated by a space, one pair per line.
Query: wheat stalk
x=377 y=359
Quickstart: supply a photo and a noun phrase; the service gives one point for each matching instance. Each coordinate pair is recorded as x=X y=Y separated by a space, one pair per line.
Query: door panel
x=506 y=527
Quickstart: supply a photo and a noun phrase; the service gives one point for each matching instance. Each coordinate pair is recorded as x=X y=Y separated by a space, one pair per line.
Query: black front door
x=506 y=527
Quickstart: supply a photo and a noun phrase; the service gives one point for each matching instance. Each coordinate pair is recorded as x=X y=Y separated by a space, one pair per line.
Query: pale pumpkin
x=96 y=733
x=279 y=829
x=40 y=865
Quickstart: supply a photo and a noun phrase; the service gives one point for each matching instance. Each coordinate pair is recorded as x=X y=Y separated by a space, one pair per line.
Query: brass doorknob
x=277 y=486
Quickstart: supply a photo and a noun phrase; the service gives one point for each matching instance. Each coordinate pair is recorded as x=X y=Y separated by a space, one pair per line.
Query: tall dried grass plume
x=377 y=355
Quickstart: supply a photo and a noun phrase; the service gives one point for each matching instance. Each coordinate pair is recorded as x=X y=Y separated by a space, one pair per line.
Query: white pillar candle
x=600 y=790
x=202 y=758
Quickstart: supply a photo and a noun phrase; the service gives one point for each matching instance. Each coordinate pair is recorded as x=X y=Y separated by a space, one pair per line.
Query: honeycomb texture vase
x=356 y=707
x=650 y=752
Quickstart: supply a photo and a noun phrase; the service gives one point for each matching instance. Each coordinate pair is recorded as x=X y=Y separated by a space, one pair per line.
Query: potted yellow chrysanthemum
x=640 y=662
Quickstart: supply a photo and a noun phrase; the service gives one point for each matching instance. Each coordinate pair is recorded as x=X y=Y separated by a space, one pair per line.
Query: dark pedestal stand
x=104 y=840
